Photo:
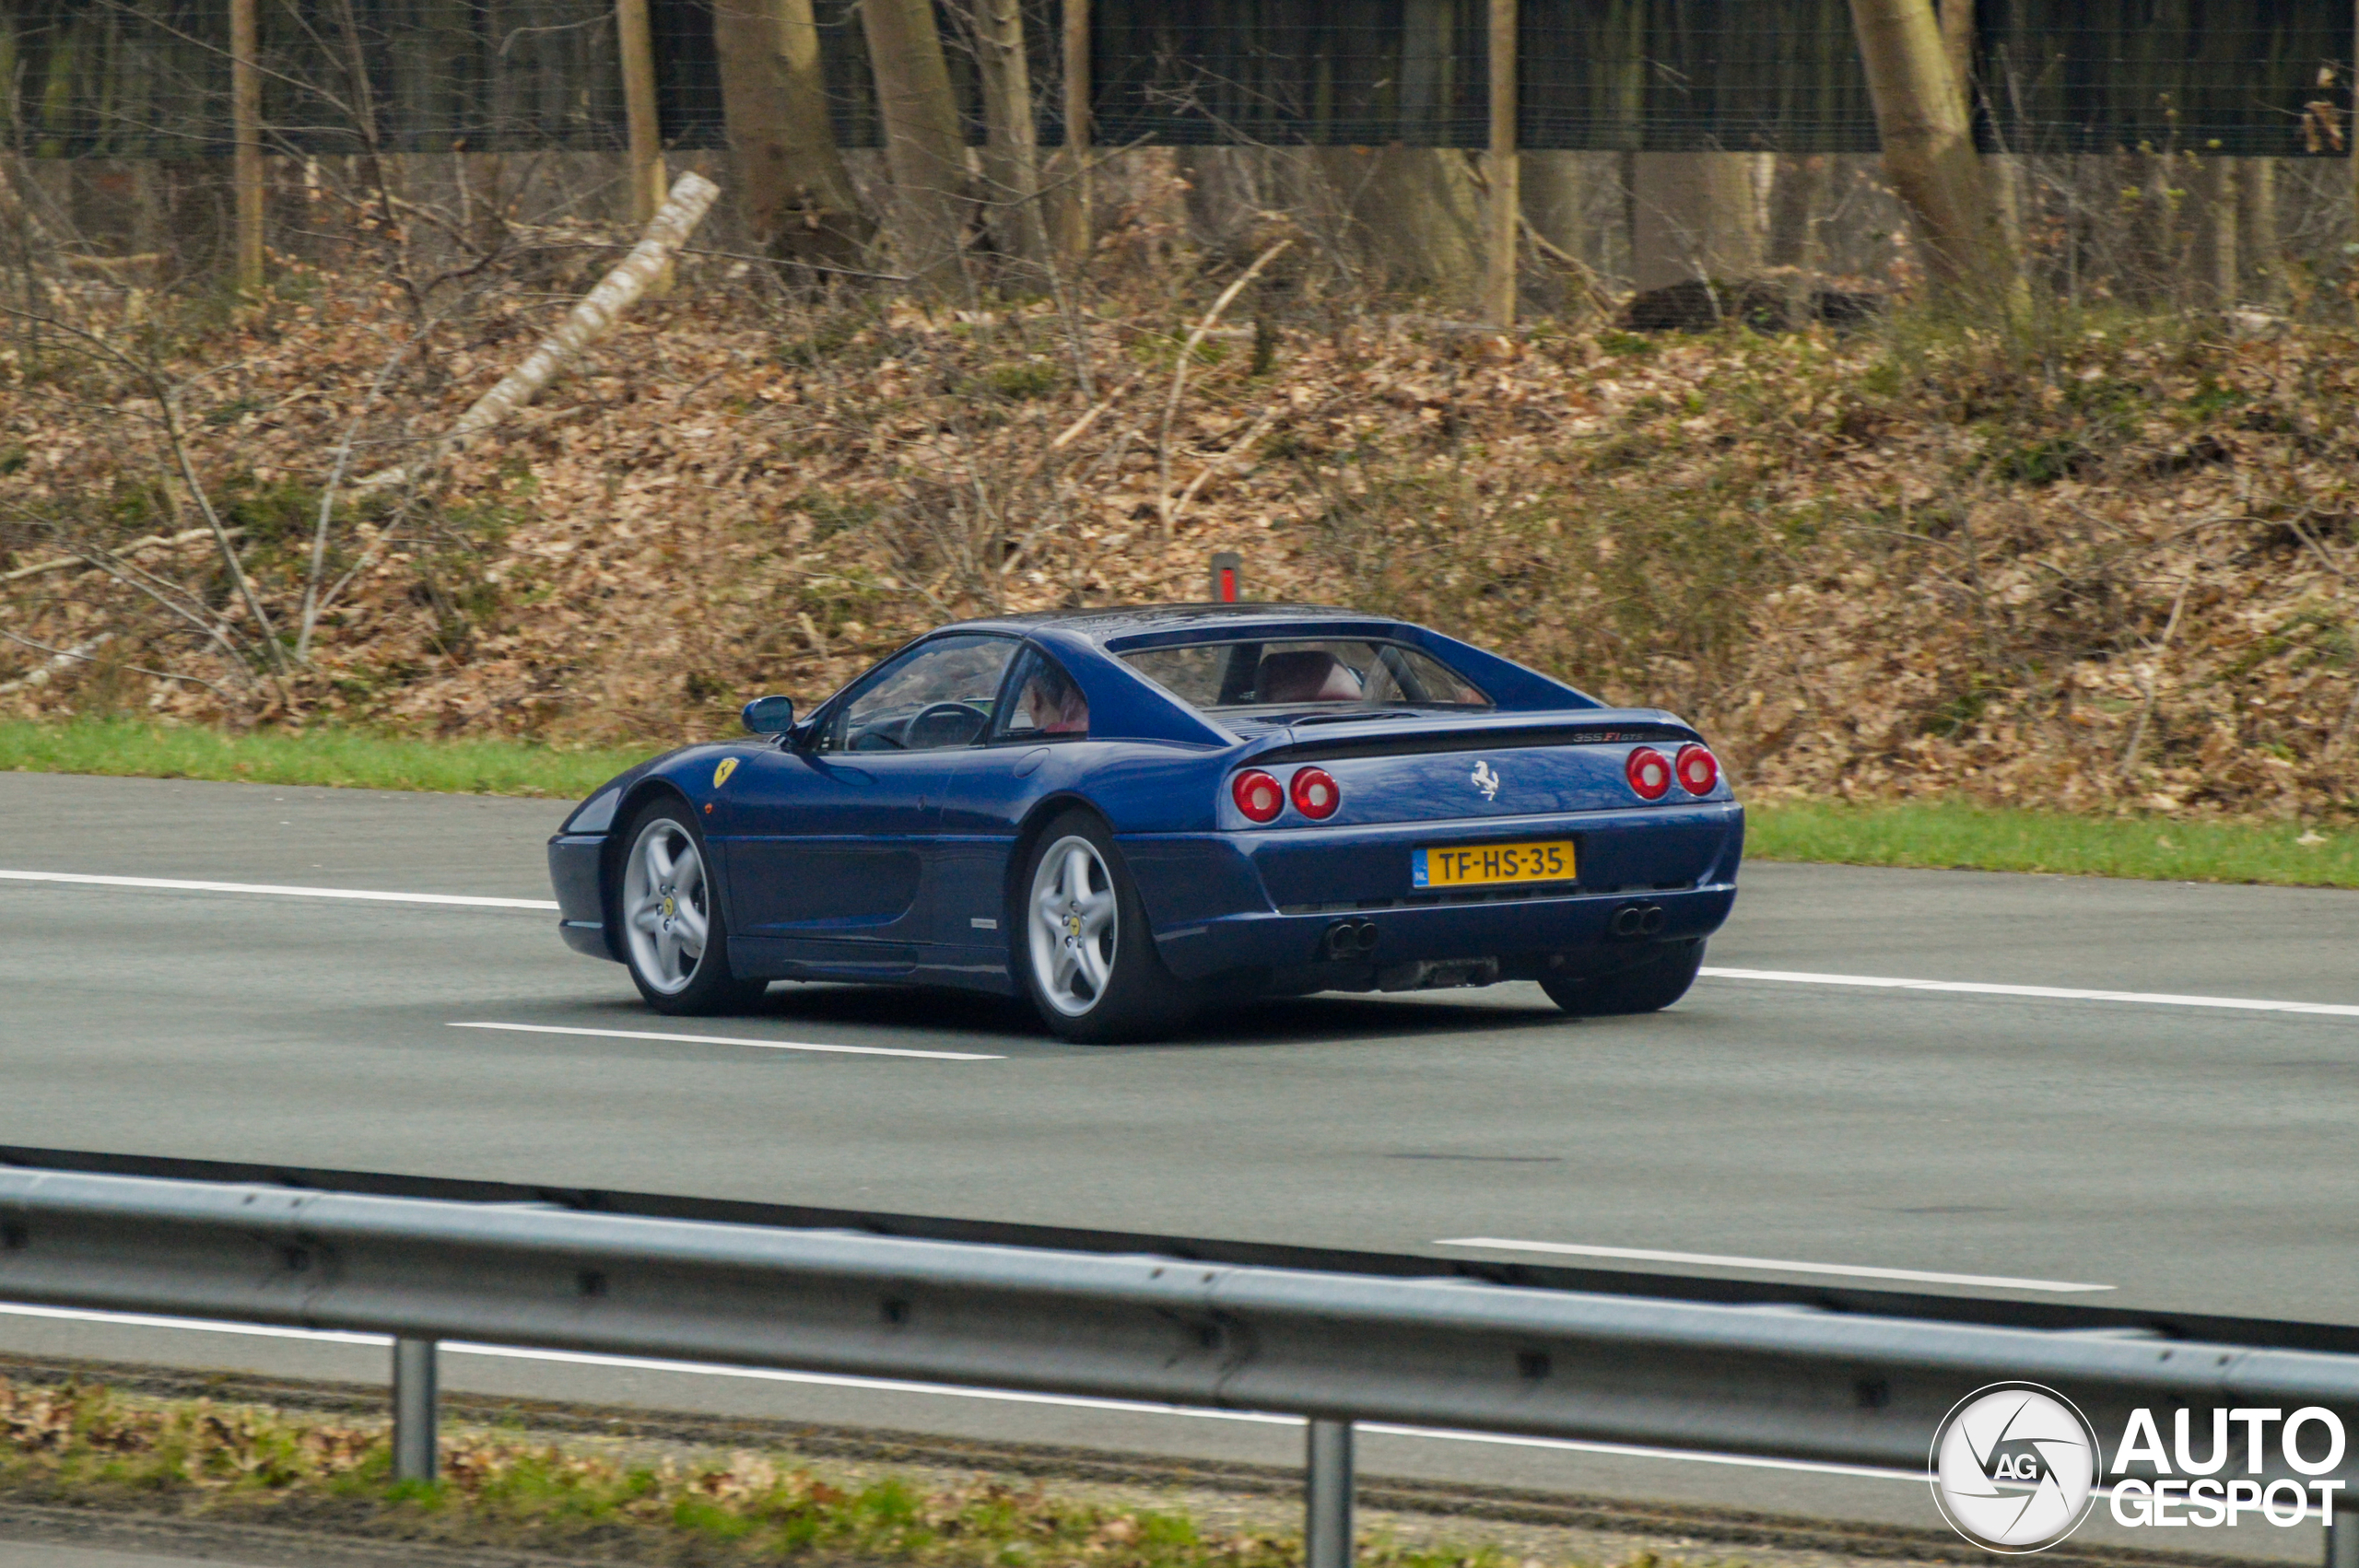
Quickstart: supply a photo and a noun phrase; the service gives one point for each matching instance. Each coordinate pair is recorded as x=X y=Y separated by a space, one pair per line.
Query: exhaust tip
x=1626 y=918
x=1366 y=935
x=1651 y=920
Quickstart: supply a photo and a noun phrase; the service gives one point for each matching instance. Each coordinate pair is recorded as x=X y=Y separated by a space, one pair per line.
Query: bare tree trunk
x=1957 y=42
x=646 y=154
x=1695 y=216
x=1504 y=200
x=1415 y=204
x=1573 y=201
x=2152 y=263
x=1011 y=157
x=1415 y=211
x=1797 y=195
x=1068 y=203
x=2257 y=198
x=2224 y=272
x=1227 y=199
x=924 y=145
x=1929 y=147
x=798 y=200
x=245 y=99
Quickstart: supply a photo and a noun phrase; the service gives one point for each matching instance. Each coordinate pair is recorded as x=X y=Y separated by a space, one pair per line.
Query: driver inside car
x=1054 y=705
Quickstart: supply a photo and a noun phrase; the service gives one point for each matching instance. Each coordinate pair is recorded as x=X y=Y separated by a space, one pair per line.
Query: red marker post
x=1228 y=578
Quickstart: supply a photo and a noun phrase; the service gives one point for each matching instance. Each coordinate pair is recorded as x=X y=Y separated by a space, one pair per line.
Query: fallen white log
x=67 y=659
x=591 y=318
x=64 y=562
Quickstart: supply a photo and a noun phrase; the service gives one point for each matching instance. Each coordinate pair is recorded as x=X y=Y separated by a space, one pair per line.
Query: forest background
x=1986 y=466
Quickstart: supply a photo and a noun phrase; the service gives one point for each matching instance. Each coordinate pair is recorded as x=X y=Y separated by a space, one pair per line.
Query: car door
x=984 y=799
x=831 y=844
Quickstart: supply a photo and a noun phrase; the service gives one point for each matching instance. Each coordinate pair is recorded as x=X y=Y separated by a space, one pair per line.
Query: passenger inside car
x=1305 y=676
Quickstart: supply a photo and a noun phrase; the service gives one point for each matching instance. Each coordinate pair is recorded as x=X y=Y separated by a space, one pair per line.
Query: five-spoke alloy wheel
x=1076 y=926
x=1088 y=958
x=673 y=937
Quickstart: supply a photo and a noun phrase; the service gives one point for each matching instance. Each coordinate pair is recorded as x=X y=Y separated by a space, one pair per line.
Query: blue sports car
x=1125 y=813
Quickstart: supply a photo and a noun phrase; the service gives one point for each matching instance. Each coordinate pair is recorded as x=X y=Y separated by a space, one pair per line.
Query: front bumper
x=576 y=860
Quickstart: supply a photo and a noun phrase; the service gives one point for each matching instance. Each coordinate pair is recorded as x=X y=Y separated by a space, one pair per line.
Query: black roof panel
x=1128 y=620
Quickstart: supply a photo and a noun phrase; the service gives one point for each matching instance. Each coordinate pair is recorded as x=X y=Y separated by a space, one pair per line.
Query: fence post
x=1327 y=1525
x=414 y=1410
x=636 y=38
x=245 y=115
x=1504 y=211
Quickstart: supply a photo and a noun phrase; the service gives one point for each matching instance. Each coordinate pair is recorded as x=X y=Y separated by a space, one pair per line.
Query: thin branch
x=67 y=655
x=327 y=496
x=1179 y=374
x=2153 y=672
x=168 y=403
x=1241 y=445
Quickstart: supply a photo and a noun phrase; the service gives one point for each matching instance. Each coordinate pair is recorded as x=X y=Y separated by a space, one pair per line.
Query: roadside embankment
x=2094 y=564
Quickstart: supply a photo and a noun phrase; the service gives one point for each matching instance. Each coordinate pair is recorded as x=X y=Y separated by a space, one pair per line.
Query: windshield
x=1319 y=672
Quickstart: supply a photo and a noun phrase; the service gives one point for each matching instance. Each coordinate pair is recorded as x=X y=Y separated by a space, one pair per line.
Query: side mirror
x=769 y=715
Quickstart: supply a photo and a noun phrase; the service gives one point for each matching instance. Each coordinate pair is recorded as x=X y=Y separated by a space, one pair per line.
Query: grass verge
x=1922 y=834
x=1982 y=839
x=353 y=758
x=600 y=1498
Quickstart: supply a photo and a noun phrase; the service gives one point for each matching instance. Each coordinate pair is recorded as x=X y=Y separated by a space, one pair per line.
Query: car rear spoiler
x=1394 y=737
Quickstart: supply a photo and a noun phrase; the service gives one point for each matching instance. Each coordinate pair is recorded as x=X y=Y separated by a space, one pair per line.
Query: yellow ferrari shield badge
x=720 y=775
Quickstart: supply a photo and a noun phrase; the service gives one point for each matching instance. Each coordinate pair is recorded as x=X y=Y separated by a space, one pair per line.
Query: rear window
x=1322 y=673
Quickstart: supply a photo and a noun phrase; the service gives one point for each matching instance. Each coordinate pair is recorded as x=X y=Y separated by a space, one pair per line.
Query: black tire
x=1650 y=985
x=654 y=941
x=1140 y=999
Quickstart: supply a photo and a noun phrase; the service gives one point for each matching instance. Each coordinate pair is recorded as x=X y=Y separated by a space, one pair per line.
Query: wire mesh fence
x=2238 y=77
x=2178 y=151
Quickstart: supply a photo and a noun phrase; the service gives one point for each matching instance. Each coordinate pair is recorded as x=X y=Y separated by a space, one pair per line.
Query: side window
x=1046 y=702
x=929 y=698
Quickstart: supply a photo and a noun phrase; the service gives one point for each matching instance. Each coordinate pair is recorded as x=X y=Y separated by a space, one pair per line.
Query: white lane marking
x=2057 y=993
x=1885 y=982
x=734 y=1040
x=1779 y=1265
x=368 y=895
x=950 y=1391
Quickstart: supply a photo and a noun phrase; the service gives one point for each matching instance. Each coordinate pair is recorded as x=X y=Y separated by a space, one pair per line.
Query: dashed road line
x=373 y=895
x=734 y=1040
x=2054 y=994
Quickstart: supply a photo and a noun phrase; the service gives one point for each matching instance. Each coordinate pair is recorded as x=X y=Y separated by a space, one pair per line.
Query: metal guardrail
x=1337 y=1349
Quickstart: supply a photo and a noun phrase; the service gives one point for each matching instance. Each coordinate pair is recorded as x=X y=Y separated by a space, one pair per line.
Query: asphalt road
x=2188 y=1157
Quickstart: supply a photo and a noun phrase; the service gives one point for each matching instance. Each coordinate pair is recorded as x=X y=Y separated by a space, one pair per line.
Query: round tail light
x=1315 y=793
x=1698 y=768
x=1258 y=796
x=1649 y=772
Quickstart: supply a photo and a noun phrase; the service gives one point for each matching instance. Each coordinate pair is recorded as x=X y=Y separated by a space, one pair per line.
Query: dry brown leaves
x=1869 y=568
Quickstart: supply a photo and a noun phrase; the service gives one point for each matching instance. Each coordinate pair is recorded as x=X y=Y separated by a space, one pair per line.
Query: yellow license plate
x=1552 y=862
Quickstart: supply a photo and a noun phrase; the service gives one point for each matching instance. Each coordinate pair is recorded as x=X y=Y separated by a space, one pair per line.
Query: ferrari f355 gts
x=1126 y=814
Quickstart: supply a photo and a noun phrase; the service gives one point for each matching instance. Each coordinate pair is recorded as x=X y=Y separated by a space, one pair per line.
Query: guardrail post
x=414 y=1410
x=2342 y=1540
x=1327 y=1525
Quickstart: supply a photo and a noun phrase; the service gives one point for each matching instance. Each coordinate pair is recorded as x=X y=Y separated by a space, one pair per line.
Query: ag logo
x=2014 y=1467
x=1486 y=781
x=720 y=775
